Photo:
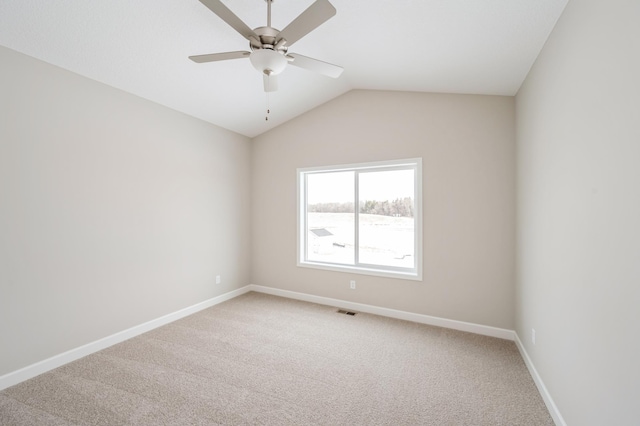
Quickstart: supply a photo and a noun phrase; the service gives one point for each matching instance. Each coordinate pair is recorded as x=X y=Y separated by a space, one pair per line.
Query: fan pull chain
x=266 y=118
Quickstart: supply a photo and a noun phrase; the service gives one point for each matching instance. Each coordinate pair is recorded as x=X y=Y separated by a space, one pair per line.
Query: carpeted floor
x=266 y=360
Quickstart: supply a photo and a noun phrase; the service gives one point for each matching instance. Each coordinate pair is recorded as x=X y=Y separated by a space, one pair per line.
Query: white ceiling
x=141 y=46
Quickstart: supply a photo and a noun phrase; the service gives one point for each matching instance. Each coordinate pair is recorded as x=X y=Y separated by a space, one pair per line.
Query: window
x=382 y=236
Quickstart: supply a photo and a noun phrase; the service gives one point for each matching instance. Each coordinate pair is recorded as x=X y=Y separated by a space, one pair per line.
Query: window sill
x=362 y=271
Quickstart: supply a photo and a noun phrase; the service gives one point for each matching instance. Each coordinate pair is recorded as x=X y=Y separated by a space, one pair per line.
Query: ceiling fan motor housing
x=268 y=40
x=268 y=57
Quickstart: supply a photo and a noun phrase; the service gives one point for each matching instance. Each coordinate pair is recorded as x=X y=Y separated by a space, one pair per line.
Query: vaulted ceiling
x=142 y=47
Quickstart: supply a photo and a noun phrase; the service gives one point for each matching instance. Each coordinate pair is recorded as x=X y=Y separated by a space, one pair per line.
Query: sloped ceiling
x=452 y=46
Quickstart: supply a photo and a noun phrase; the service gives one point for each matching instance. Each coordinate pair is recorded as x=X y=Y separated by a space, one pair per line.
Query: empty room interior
x=140 y=189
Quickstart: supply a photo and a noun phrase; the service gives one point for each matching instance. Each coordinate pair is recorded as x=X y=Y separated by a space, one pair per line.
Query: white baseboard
x=392 y=313
x=38 y=368
x=546 y=396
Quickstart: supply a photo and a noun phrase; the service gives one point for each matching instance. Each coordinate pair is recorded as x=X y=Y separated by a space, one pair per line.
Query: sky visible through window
x=338 y=187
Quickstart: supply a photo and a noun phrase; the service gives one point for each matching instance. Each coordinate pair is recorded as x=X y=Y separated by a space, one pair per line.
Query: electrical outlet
x=352 y=284
x=533 y=335
x=218 y=279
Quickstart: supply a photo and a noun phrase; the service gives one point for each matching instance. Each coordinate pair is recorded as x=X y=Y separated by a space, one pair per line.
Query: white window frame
x=376 y=270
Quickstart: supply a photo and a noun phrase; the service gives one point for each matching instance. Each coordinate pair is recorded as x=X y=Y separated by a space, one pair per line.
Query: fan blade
x=270 y=82
x=212 y=57
x=315 y=65
x=317 y=14
x=217 y=7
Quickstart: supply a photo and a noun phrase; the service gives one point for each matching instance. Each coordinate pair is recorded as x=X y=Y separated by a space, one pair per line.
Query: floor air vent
x=342 y=311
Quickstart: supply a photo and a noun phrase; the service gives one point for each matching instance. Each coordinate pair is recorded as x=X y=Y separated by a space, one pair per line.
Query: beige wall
x=114 y=210
x=578 y=119
x=467 y=144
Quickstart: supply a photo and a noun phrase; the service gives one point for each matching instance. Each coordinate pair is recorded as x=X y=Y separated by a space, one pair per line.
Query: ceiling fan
x=269 y=46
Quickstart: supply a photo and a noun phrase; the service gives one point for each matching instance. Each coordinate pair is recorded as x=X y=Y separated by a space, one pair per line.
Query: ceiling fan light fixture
x=268 y=61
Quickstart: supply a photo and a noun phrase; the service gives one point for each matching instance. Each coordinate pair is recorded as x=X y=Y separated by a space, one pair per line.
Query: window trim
x=382 y=271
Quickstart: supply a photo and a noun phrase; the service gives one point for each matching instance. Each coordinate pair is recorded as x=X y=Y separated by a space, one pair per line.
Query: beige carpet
x=265 y=360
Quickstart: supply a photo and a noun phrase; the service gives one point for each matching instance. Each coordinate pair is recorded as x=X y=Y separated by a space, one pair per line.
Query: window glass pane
x=386 y=221
x=330 y=217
